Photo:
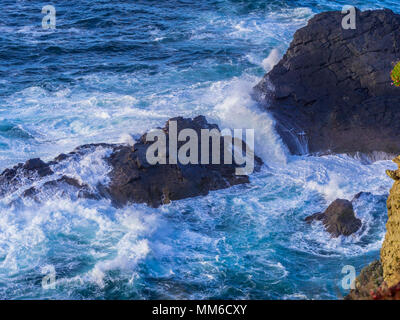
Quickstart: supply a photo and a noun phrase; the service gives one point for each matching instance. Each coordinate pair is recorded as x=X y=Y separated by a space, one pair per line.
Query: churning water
x=114 y=69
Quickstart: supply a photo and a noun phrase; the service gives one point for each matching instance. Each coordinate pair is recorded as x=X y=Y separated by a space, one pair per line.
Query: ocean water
x=112 y=70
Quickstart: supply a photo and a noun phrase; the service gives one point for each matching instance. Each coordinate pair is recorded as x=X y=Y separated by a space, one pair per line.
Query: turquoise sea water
x=114 y=69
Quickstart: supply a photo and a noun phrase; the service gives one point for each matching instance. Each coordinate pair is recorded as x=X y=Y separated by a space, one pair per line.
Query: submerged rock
x=361 y=195
x=338 y=219
x=332 y=89
x=131 y=179
x=18 y=176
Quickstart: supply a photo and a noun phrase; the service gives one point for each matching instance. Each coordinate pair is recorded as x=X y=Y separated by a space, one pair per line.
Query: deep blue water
x=114 y=69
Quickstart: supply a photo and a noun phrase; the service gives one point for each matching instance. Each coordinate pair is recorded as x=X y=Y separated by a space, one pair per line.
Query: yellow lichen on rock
x=390 y=252
x=392 y=174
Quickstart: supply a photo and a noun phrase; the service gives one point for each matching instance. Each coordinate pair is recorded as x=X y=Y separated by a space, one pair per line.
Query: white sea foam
x=234 y=108
x=273 y=58
x=120 y=235
x=203 y=237
x=90 y=169
x=241 y=242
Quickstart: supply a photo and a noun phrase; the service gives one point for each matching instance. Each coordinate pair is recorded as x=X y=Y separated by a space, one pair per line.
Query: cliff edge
x=390 y=252
x=381 y=279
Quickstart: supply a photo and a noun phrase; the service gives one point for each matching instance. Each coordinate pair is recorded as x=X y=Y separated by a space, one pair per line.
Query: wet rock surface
x=131 y=178
x=332 y=89
x=338 y=219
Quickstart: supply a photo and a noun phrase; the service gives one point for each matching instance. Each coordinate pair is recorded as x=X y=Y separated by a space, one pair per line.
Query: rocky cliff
x=381 y=279
x=390 y=252
x=332 y=89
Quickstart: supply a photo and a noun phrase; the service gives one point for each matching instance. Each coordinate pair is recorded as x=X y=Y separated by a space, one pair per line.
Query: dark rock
x=316 y=216
x=60 y=157
x=338 y=218
x=39 y=166
x=132 y=178
x=332 y=89
x=64 y=185
x=19 y=175
x=361 y=195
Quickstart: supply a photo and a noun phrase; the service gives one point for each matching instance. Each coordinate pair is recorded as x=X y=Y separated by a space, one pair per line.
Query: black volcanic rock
x=338 y=218
x=332 y=88
x=131 y=178
x=135 y=180
x=16 y=177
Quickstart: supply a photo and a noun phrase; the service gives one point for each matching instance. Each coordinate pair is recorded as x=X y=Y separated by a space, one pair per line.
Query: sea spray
x=240 y=243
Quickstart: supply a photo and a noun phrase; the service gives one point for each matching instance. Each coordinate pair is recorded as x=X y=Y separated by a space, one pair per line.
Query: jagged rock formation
x=338 y=219
x=333 y=89
x=131 y=178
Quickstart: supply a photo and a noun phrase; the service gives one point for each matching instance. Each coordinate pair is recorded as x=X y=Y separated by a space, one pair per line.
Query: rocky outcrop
x=338 y=219
x=382 y=279
x=332 y=89
x=390 y=252
x=368 y=281
x=131 y=179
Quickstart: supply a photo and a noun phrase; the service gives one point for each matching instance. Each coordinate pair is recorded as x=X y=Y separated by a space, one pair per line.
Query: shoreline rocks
x=131 y=178
x=331 y=92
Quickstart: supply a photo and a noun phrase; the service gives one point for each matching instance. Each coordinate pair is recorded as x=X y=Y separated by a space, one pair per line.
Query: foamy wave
x=115 y=240
x=273 y=58
x=236 y=109
x=90 y=169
